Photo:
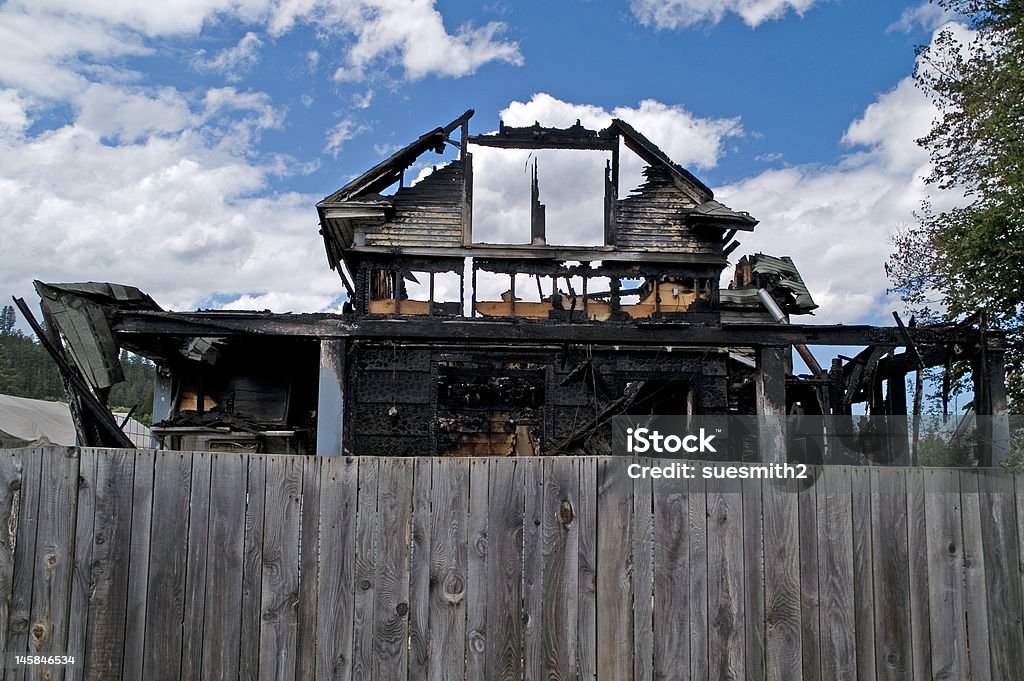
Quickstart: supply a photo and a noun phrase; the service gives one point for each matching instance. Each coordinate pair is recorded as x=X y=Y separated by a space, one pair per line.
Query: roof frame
x=390 y=170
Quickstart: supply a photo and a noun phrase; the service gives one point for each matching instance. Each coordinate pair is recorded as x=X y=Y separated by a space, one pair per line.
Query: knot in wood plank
x=567 y=513
x=454 y=589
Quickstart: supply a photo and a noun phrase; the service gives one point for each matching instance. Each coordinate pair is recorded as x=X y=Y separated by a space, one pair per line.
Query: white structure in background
x=37 y=423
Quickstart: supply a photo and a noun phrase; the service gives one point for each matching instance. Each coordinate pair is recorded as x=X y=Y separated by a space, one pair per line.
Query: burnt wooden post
x=586 y=308
x=770 y=382
x=538 y=235
x=990 y=404
x=999 y=406
x=330 y=409
x=467 y=196
x=430 y=296
x=898 y=424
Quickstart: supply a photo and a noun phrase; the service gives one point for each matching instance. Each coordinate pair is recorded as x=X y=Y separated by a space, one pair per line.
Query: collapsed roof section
x=778 y=276
x=80 y=311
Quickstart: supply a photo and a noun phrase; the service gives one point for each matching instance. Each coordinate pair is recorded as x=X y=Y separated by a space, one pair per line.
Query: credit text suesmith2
x=645 y=441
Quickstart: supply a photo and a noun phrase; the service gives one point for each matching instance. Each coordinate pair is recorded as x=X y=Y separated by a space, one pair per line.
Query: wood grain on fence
x=164 y=565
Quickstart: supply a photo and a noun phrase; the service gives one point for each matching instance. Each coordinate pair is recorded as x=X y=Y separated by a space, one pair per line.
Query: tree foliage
x=26 y=370
x=971 y=258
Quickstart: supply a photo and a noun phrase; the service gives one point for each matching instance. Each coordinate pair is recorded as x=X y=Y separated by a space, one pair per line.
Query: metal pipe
x=779 y=316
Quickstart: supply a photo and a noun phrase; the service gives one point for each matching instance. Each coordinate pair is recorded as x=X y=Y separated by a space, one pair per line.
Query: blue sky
x=180 y=146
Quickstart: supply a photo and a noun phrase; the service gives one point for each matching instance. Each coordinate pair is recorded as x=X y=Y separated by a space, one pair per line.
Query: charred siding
x=392 y=404
x=653 y=217
x=426 y=214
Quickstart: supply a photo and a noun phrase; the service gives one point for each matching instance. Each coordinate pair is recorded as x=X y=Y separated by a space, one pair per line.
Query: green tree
x=137 y=388
x=7 y=320
x=8 y=381
x=970 y=258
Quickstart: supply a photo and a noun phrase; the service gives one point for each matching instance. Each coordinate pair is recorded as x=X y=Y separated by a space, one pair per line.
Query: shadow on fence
x=170 y=565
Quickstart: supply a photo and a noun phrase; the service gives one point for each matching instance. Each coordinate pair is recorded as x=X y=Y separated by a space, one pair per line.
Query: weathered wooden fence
x=197 y=566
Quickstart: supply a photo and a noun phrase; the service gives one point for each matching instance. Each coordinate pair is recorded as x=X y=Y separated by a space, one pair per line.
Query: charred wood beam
x=530 y=252
x=134 y=323
x=928 y=356
x=911 y=347
x=467 y=192
x=650 y=153
x=544 y=142
x=896 y=424
x=639 y=270
x=611 y=197
x=111 y=435
x=349 y=286
x=537 y=137
x=460 y=122
x=389 y=171
x=408 y=264
x=863 y=379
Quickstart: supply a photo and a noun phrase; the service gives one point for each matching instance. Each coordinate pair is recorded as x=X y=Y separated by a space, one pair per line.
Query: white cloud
x=890 y=126
x=13 y=113
x=674 y=14
x=342 y=132
x=130 y=114
x=151 y=19
x=413 y=34
x=364 y=100
x=686 y=138
x=232 y=62
x=233 y=121
x=927 y=16
x=41 y=55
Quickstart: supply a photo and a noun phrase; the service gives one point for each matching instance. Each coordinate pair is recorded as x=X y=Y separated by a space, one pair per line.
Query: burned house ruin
x=428 y=359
